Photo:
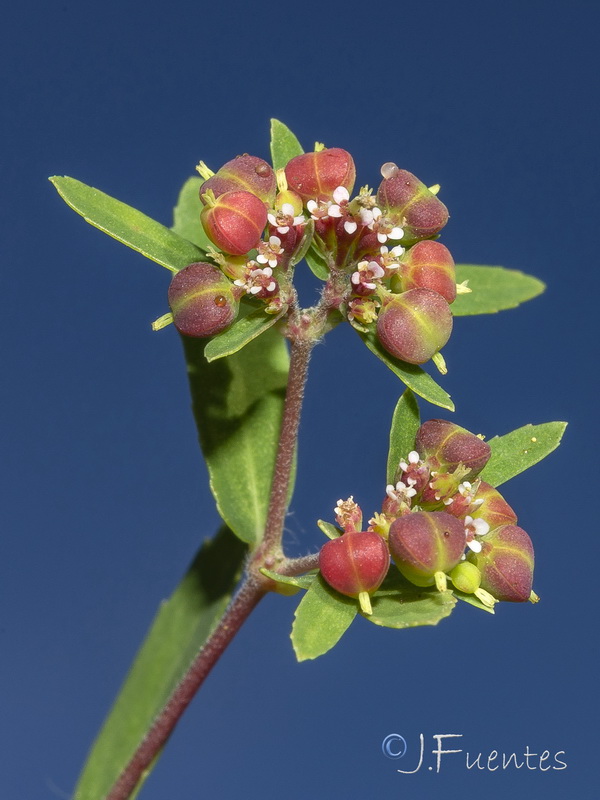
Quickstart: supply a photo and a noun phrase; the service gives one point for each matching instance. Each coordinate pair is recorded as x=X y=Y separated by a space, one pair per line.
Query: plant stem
x=278 y=502
x=253 y=588
x=247 y=597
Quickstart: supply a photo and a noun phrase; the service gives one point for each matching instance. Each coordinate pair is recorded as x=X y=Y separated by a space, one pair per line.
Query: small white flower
x=284 y=219
x=412 y=459
x=341 y=195
x=473 y=528
x=366 y=275
x=318 y=210
x=400 y=492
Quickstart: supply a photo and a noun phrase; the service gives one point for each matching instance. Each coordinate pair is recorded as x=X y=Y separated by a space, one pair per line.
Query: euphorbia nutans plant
x=240 y=233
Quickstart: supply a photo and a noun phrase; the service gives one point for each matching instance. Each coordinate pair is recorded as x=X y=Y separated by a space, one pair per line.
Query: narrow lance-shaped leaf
x=405 y=424
x=472 y=600
x=522 y=448
x=493 y=289
x=410 y=374
x=180 y=628
x=321 y=619
x=305 y=243
x=284 y=144
x=400 y=604
x=128 y=225
x=293 y=581
x=241 y=333
x=316 y=263
x=238 y=406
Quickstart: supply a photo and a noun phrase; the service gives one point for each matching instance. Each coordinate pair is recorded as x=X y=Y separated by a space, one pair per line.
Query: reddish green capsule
x=202 y=300
x=494 y=510
x=402 y=194
x=355 y=564
x=315 y=176
x=429 y=265
x=445 y=445
x=243 y=173
x=506 y=563
x=235 y=221
x=425 y=545
x=415 y=325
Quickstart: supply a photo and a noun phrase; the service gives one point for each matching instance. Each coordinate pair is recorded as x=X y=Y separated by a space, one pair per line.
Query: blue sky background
x=105 y=497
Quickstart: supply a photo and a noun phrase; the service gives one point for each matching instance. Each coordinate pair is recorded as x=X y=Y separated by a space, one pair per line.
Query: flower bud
x=466 y=577
x=415 y=325
x=403 y=194
x=235 y=221
x=202 y=300
x=429 y=265
x=355 y=564
x=445 y=445
x=243 y=173
x=506 y=563
x=315 y=176
x=426 y=543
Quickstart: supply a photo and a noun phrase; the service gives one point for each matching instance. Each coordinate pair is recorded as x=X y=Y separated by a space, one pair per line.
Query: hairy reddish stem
x=241 y=606
x=278 y=501
x=253 y=588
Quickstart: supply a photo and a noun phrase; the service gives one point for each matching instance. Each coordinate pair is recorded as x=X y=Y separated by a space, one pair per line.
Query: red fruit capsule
x=243 y=173
x=506 y=563
x=429 y=265
x=355 y=564
x=315 y=176
x=426 y=544
x=494 y=510
x=403 y=194
x=444 y=445
x=202 y=300
x=415 y=325
x=235 y=222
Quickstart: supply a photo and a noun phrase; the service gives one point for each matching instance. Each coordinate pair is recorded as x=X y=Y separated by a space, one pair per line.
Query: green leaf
x=400 y=604
x=299 y=581
x=241 y=333
x=517 y=451
x=473 y=601
x=331 y=531
x=128 y=225
x=321 y=619
x=317 y=263
x=182 y=625
x=304 y=244
x=410 y=374
x=238 y=406
x=186 y=214
x=493 y=289
x=284 y=145
x=405 y=424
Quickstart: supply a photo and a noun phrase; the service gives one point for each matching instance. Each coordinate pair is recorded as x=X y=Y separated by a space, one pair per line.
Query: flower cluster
x=377 y=247
x=440 y=522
